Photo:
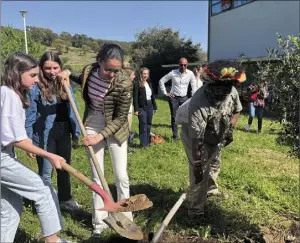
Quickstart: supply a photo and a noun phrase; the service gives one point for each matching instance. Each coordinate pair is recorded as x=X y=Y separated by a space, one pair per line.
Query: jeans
x=174 y=104
x=145 y=122
x=58 y=142
x=18 y=182
x=259 y=113
x=95 y=122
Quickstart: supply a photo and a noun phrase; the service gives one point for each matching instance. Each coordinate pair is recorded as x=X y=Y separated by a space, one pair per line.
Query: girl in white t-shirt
x=21 y=73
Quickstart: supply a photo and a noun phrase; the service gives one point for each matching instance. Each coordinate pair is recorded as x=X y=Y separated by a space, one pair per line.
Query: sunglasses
x=182 y=65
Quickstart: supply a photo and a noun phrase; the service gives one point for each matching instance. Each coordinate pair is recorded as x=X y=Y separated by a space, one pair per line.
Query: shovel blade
x=124 y=226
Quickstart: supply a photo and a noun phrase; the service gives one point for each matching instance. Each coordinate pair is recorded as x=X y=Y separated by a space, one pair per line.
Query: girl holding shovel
x=107 y=92
x=18 y=181
x=50 y=123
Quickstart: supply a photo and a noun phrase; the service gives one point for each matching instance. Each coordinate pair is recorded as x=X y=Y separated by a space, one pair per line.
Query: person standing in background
x=181 y=78
x=144 y=105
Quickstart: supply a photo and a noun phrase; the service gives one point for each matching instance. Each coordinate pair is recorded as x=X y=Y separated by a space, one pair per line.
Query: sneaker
x=247 y=128
x=70 y=205
x=97 y=232
x=63 y=241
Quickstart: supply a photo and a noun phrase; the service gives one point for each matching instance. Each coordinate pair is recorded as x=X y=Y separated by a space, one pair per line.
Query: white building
x=248 y=27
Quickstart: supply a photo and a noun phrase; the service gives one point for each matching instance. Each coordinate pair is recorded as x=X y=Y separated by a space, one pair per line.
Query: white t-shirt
x=148 y=91
x=12 y=117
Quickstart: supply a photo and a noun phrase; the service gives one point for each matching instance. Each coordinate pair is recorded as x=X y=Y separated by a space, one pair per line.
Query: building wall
x=251 y=29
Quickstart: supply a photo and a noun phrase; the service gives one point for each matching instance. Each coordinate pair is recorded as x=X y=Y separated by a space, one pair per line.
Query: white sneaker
x=97 y=231
x=247 y=128
x=70 y=205
x=60 y=240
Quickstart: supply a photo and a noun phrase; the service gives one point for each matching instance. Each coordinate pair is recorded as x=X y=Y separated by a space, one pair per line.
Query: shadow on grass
x=161 y=125
x=286 y=141
x=22 y=236
x=225 y=222
x=222 y=222
x=81 y=216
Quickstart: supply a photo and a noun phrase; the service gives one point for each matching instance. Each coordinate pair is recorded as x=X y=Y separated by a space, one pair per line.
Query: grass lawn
x=257 y=174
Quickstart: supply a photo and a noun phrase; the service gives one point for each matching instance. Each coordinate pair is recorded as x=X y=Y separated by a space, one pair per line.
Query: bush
x=284 y=77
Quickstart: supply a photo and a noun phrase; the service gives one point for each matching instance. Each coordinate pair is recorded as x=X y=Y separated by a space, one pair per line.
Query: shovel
x=109 y=205
x=117 y=221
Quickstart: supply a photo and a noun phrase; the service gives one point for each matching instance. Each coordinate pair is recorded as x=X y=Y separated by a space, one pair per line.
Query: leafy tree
x=285 y=79
x=42 y=35
x=59 y=44
x=157 y=46
x=12 y=40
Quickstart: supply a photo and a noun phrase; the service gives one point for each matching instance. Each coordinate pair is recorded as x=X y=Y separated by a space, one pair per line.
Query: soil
x=136 y=203
x=266 y=236
x=165 y=238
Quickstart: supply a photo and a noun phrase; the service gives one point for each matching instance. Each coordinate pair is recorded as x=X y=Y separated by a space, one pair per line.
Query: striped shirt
x=97 y=89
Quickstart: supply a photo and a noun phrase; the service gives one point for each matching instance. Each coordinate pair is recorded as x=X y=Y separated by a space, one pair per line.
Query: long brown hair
x=14 y=67
x=141 y=82
x=51 y=87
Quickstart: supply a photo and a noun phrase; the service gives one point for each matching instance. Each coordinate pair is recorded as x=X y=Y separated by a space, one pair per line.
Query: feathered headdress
x=227 y=74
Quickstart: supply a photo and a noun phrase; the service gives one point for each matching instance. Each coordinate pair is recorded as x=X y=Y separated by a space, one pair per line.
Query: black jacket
x=139 y=96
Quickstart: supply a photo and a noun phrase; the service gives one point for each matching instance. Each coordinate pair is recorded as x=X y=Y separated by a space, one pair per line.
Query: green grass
x=259 y=177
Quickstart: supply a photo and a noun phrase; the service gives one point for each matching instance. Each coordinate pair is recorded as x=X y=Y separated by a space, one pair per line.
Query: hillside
x=76 y=50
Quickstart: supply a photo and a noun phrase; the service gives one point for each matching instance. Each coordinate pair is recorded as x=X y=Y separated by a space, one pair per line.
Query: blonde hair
x=141 y=72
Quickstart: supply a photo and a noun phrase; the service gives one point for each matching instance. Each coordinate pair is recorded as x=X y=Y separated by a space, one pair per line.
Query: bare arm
x=234 y=119
x=27 y=146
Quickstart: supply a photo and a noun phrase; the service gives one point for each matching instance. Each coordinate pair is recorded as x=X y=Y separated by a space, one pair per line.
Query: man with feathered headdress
x=207 y=120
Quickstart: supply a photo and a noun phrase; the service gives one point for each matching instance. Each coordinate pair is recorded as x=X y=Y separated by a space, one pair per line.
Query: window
x=226 y=4
x=218 y=6
x=239 y=3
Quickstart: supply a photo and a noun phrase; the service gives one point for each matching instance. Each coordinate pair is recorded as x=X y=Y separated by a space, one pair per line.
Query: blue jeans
x=174 y=104
x=18 y=182
x=58 y=142
x=145 y=123
x=259 y=113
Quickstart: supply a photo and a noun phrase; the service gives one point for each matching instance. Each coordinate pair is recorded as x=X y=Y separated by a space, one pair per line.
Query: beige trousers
x=95 y=122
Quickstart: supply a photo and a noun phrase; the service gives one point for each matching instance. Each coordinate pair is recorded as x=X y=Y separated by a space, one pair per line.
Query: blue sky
x=113 y=20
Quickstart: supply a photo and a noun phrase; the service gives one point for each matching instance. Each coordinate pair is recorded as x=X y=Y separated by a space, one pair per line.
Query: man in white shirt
x=181 y=78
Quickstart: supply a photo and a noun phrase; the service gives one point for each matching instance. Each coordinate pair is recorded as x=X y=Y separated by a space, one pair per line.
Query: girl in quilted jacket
x=107 y=92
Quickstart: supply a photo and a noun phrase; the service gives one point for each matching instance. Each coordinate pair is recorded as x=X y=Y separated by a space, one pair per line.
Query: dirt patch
x=136 y=203
x=166 y=238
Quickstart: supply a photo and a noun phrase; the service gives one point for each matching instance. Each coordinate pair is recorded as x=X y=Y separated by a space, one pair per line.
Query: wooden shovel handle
x=90 y=148
x=105 y=196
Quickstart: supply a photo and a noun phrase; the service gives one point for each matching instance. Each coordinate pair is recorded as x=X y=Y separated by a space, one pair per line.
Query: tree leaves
x=157 y=46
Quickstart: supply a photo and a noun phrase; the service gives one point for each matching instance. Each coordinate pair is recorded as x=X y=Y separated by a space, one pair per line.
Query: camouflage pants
x=215 y=168
x=198 y=192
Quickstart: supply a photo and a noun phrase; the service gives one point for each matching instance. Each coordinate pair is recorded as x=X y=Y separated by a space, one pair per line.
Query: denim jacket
x=41 y=114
